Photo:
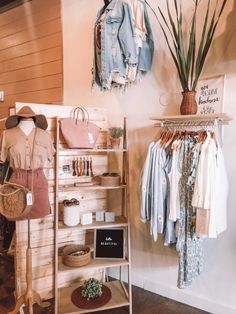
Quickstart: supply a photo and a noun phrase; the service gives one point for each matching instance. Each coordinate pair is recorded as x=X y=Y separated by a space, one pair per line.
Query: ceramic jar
x=71 y=213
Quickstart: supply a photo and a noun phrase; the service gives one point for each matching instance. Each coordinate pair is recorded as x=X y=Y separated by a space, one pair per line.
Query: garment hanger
x=170 y=139
x=166 y=137
x=106 y=2
x=163 y=134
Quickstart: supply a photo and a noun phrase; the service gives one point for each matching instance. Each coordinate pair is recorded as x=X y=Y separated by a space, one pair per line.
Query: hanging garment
x=116 y=54
x=138 y=15
x=211 y=191
x=17 y=148
x=188 y=245
x=174 y=177
x=173 y=202
x=184 y=193
x=154 y=189
x=158 y=191
x=98 y=45
x=118 y=46
x=143 y=38
x=145 y=195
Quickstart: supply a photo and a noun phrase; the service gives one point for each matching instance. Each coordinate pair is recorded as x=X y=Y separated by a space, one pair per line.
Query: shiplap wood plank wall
x=31 y=54
x=31 y=71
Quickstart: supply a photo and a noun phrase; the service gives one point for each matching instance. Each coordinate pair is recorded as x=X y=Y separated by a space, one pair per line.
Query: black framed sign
x=109 y=243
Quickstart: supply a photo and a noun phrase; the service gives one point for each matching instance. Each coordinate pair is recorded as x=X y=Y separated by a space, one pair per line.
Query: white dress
x=210 y=191
x=174 y=176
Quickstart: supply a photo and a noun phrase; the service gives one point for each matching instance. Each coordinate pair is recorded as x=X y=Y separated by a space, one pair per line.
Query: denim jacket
x=118 y=44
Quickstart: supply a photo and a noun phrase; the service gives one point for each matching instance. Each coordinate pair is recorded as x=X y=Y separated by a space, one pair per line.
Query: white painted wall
x=155 y=266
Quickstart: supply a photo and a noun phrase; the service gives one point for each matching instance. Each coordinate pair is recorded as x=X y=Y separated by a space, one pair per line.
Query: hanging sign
x=210 y=95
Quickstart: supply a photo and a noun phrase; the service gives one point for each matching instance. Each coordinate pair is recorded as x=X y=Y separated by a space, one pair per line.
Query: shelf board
x=120 y=221
x=89 y=187
x=65 y=305
x=222 y=118
x=93 y=265
x=93 y=150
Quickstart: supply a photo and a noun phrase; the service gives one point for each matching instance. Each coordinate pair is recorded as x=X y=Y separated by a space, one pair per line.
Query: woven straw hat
x=26 y=112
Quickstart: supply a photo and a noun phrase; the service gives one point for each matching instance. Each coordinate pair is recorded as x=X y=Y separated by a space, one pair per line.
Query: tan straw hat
x=26 y=112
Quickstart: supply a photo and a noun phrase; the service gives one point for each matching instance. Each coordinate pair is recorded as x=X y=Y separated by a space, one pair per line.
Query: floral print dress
x=188 y=244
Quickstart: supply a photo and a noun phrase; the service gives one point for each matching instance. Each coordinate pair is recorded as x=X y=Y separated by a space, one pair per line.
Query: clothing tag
x=29 y=198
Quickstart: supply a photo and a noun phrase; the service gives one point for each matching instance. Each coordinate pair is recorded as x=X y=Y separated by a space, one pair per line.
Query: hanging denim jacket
x=118 y=45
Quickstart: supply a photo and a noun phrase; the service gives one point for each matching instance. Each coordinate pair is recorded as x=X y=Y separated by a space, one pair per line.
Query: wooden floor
x=144 y=302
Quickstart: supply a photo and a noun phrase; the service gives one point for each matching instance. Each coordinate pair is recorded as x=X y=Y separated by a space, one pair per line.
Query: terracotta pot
x=115 y=142
x=188 y=104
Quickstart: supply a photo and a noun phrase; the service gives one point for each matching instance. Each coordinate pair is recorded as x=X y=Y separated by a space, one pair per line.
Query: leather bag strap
x=75 y=114
x=32 y=161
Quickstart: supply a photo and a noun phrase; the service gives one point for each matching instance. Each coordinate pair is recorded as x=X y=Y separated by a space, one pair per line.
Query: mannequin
x=26 y=125
x=21 y=131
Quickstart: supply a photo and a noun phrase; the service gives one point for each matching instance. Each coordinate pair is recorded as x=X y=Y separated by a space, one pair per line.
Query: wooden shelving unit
x=121 y=296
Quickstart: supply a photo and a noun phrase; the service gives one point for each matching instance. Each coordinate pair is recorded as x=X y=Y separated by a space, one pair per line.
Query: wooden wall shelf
x=219 y=118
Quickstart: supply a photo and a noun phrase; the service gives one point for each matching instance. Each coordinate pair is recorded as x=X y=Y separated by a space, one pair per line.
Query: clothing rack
x=192 y=120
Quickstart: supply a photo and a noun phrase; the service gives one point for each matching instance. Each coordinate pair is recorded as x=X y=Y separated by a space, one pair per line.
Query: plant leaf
x=190 y=53
x=176 y=8
x=182 y=59
x=174 y=38
x=202 y=42
x=171 y=20
x=203 y=34
x=193 y=61
x=182 y=80
x=210 y=35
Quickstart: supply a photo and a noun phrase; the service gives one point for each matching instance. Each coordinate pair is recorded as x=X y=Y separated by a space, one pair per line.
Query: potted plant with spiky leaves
x=188 y=55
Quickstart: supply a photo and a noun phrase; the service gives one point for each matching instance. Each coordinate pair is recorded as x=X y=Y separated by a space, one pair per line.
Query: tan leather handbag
x=78 y=131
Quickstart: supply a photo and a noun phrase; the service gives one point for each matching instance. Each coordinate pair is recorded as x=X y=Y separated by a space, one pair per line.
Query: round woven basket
x=76 y=260
x=13 y=202
x=110 y=180
x=81 y=302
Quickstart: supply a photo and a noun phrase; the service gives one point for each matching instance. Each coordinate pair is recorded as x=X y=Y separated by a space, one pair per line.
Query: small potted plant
x=91 y=295
x=115 y=134
x=92 y=289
